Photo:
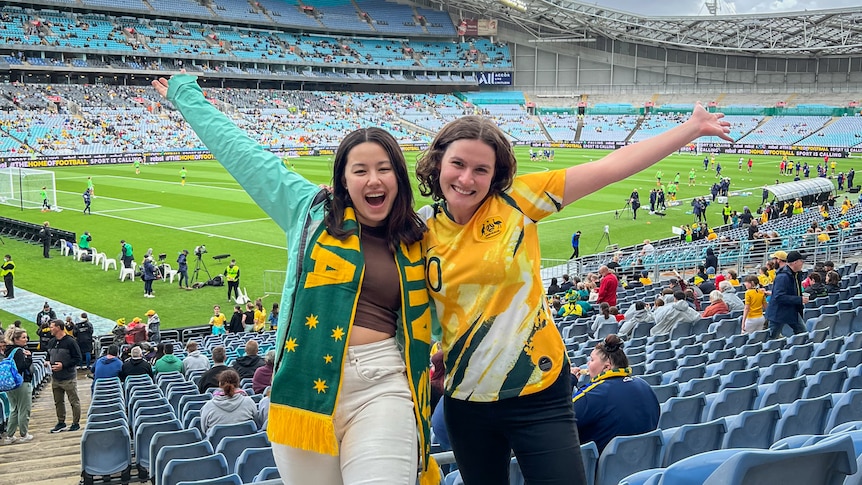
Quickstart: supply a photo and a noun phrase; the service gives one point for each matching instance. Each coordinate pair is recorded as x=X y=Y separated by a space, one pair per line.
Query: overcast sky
x=695 y=7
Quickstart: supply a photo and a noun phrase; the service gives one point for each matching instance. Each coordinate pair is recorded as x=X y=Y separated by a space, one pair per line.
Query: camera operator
x=635 y=202
x=183 y=268
x=231 y=274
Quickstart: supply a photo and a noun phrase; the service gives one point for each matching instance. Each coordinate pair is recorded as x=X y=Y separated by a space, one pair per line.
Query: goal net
x=23 y=187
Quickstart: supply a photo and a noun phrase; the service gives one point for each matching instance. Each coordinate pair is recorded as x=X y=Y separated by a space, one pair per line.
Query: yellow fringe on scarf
x=302 y=429
x=431 y=475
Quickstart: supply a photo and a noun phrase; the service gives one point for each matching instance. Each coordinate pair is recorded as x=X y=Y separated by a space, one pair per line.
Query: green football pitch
x=152 y=210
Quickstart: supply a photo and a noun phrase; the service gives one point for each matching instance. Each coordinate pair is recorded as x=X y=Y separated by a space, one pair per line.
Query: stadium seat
x=691 y=439
x=775 y=372
x=804 y=416
x=782 y=391
x=232 y=479
x=251 y=461
x=666 y=391
x=694 y=469
x=268 y=473
x=678 y=411
x=824 y=463
x=219 y=431
x=590 y=457
x=824 y=382
x=144 y=436
x=181 y=470
x=740 y=378
x=162 y=439
x=105 y=452
x=752 y=429
x=97 y=424
x=730 y=402
x=706 y=385
x=848 y=359
x=848 y=408
x=816 y=364
x=625 y=455
x=169 y=453
x=232 y=446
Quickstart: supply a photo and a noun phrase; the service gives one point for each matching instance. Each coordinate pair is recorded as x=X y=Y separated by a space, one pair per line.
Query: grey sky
x=694 y=7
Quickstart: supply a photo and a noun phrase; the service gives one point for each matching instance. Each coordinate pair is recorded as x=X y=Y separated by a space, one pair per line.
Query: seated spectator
x=833 y=282
x=669 y=315
x=615 y=312
x=553 y=288
x=707 y=286
x=137 y=365
x=229 y=405
x=566 y=285
x=168 y=362
x=691 y=299
x=637 y=314
x=107 y=366
x=734 y=304
x=210 y=377
x=815 y=288
x=717 y=306
x=248 y=363
x=604 y=316
x=262 y=418
x=136 y=332
x=263 y=375
x=195 y=360
x=614 y=403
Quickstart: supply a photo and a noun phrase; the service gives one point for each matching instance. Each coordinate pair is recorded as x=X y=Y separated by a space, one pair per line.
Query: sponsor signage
x=495 y=78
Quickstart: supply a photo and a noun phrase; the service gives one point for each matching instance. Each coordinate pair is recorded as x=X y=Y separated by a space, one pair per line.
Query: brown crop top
x=380 y=295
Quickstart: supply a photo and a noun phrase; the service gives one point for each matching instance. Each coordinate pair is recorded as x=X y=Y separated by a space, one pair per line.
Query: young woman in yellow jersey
x=508 y=383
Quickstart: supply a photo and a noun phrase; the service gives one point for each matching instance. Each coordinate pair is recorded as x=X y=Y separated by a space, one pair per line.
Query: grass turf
x=153 y=210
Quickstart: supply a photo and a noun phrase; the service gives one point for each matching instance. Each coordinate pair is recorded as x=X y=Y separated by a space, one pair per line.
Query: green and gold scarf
x=307 y=381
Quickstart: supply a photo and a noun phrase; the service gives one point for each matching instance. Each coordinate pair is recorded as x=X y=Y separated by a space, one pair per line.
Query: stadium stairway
x=26 y=304
x=49 y=459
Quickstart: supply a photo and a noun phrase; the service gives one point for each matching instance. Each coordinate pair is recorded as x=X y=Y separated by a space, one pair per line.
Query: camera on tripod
x=199 y=250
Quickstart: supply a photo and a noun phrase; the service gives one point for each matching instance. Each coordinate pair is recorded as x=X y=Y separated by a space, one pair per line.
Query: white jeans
x=754 y=324
x=374 y=424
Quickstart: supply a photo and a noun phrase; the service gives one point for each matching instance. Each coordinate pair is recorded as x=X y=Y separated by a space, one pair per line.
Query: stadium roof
x=801 y=188
x=813 y=33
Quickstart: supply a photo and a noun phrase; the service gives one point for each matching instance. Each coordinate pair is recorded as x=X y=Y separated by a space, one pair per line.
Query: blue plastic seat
x=190 y=469
x=730 y=402
x=693 y=360
x=706 y=385
x=694 y=469
x=678 y=411
x=217 y=432
x=232 y=479
x=714 y=345
x=752 y=429
x=653 y=378
x=721 y=355
x=816 y=364
x=100 y=418
x=106 y=409
x=740 y=378
x=590 y=457
x=662 y=366
x=144 y=436
x=764 y=359
x=685 y=374
x=804 y=416
x=783 y=391
x=798 y=352
x=105 y=452
x=848 y=408
x=828 y=347
x=775 y=372
x=268 y=473
x=666 y=391
x=97 y=424
x=232 y=446
x=691 y=439
x=727 y=366
x=625 y=455
x=251 y=461
x=750 y=350
x=824 y=463
x=169 y=453
x=824 y=382
x=149 y=402
x=163 y=439
x=848 y=358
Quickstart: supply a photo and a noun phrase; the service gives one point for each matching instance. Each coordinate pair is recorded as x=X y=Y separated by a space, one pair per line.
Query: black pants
x=127 y=261
x=576 y=252
x=540 y=428
x=10 y=288
x=46 y=246
x=233 y=286
x=184 y=276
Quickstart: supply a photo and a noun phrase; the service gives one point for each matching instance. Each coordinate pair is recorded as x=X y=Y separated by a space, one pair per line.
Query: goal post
x=22 y=187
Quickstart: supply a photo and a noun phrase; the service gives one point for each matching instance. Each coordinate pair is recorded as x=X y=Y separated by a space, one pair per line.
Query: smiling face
x=466 y=173
x=371 y=183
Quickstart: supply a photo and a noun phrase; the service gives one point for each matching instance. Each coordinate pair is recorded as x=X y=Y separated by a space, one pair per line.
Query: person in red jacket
x=608 y=286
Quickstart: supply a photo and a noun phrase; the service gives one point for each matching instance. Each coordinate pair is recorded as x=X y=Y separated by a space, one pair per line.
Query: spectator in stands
x=158 y=353
x=195 y=360
x=168 y=362
x=734 y=304
x=608 y=286
x=248 y=318
x=136 y=332
x=638 y=313
x=119 y=332
x=107 y=366
x=470 y=168
x=63 y=358
x=604 y=316
x=671 y=314
x=755 y=304
x=567 y=283
x=833 y=282
x=43 y=320
x=154 y=324
x=710 y=260
x=235 y=325
x=263 y=375
x=83 y=333
x=614 y=402
x=136 y=365
x=248 y=363
x=787 y=300
x=210 y=378
x=815 y=288
x=21 y=398
x=229 y=405
x=553 y=288
x=273 y=317
x=717 y=306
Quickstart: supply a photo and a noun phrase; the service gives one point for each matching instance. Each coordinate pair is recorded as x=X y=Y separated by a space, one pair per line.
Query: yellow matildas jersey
x=499 y=339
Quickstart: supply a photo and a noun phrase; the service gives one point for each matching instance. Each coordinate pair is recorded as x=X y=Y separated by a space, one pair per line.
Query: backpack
x=10 y=378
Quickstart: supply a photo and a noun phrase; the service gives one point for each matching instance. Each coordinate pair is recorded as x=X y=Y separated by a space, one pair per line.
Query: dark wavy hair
x=611 y=349
x=467 y=128
x=403 y=224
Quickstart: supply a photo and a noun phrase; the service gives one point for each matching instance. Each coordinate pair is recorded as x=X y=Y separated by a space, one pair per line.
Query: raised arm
x=281 y=193
x=584 y=179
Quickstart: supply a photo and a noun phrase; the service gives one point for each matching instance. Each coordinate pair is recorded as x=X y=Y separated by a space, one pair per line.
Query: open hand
x=711 y=124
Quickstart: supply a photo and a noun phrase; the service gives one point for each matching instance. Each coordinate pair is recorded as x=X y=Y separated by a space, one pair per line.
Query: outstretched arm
x=584 y=179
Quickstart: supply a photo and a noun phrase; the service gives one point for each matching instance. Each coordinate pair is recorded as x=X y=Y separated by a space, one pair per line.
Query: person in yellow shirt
x=259 y=317
x=217 y=321
x=846 y=205
x=797 y=207
x=755 y=305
